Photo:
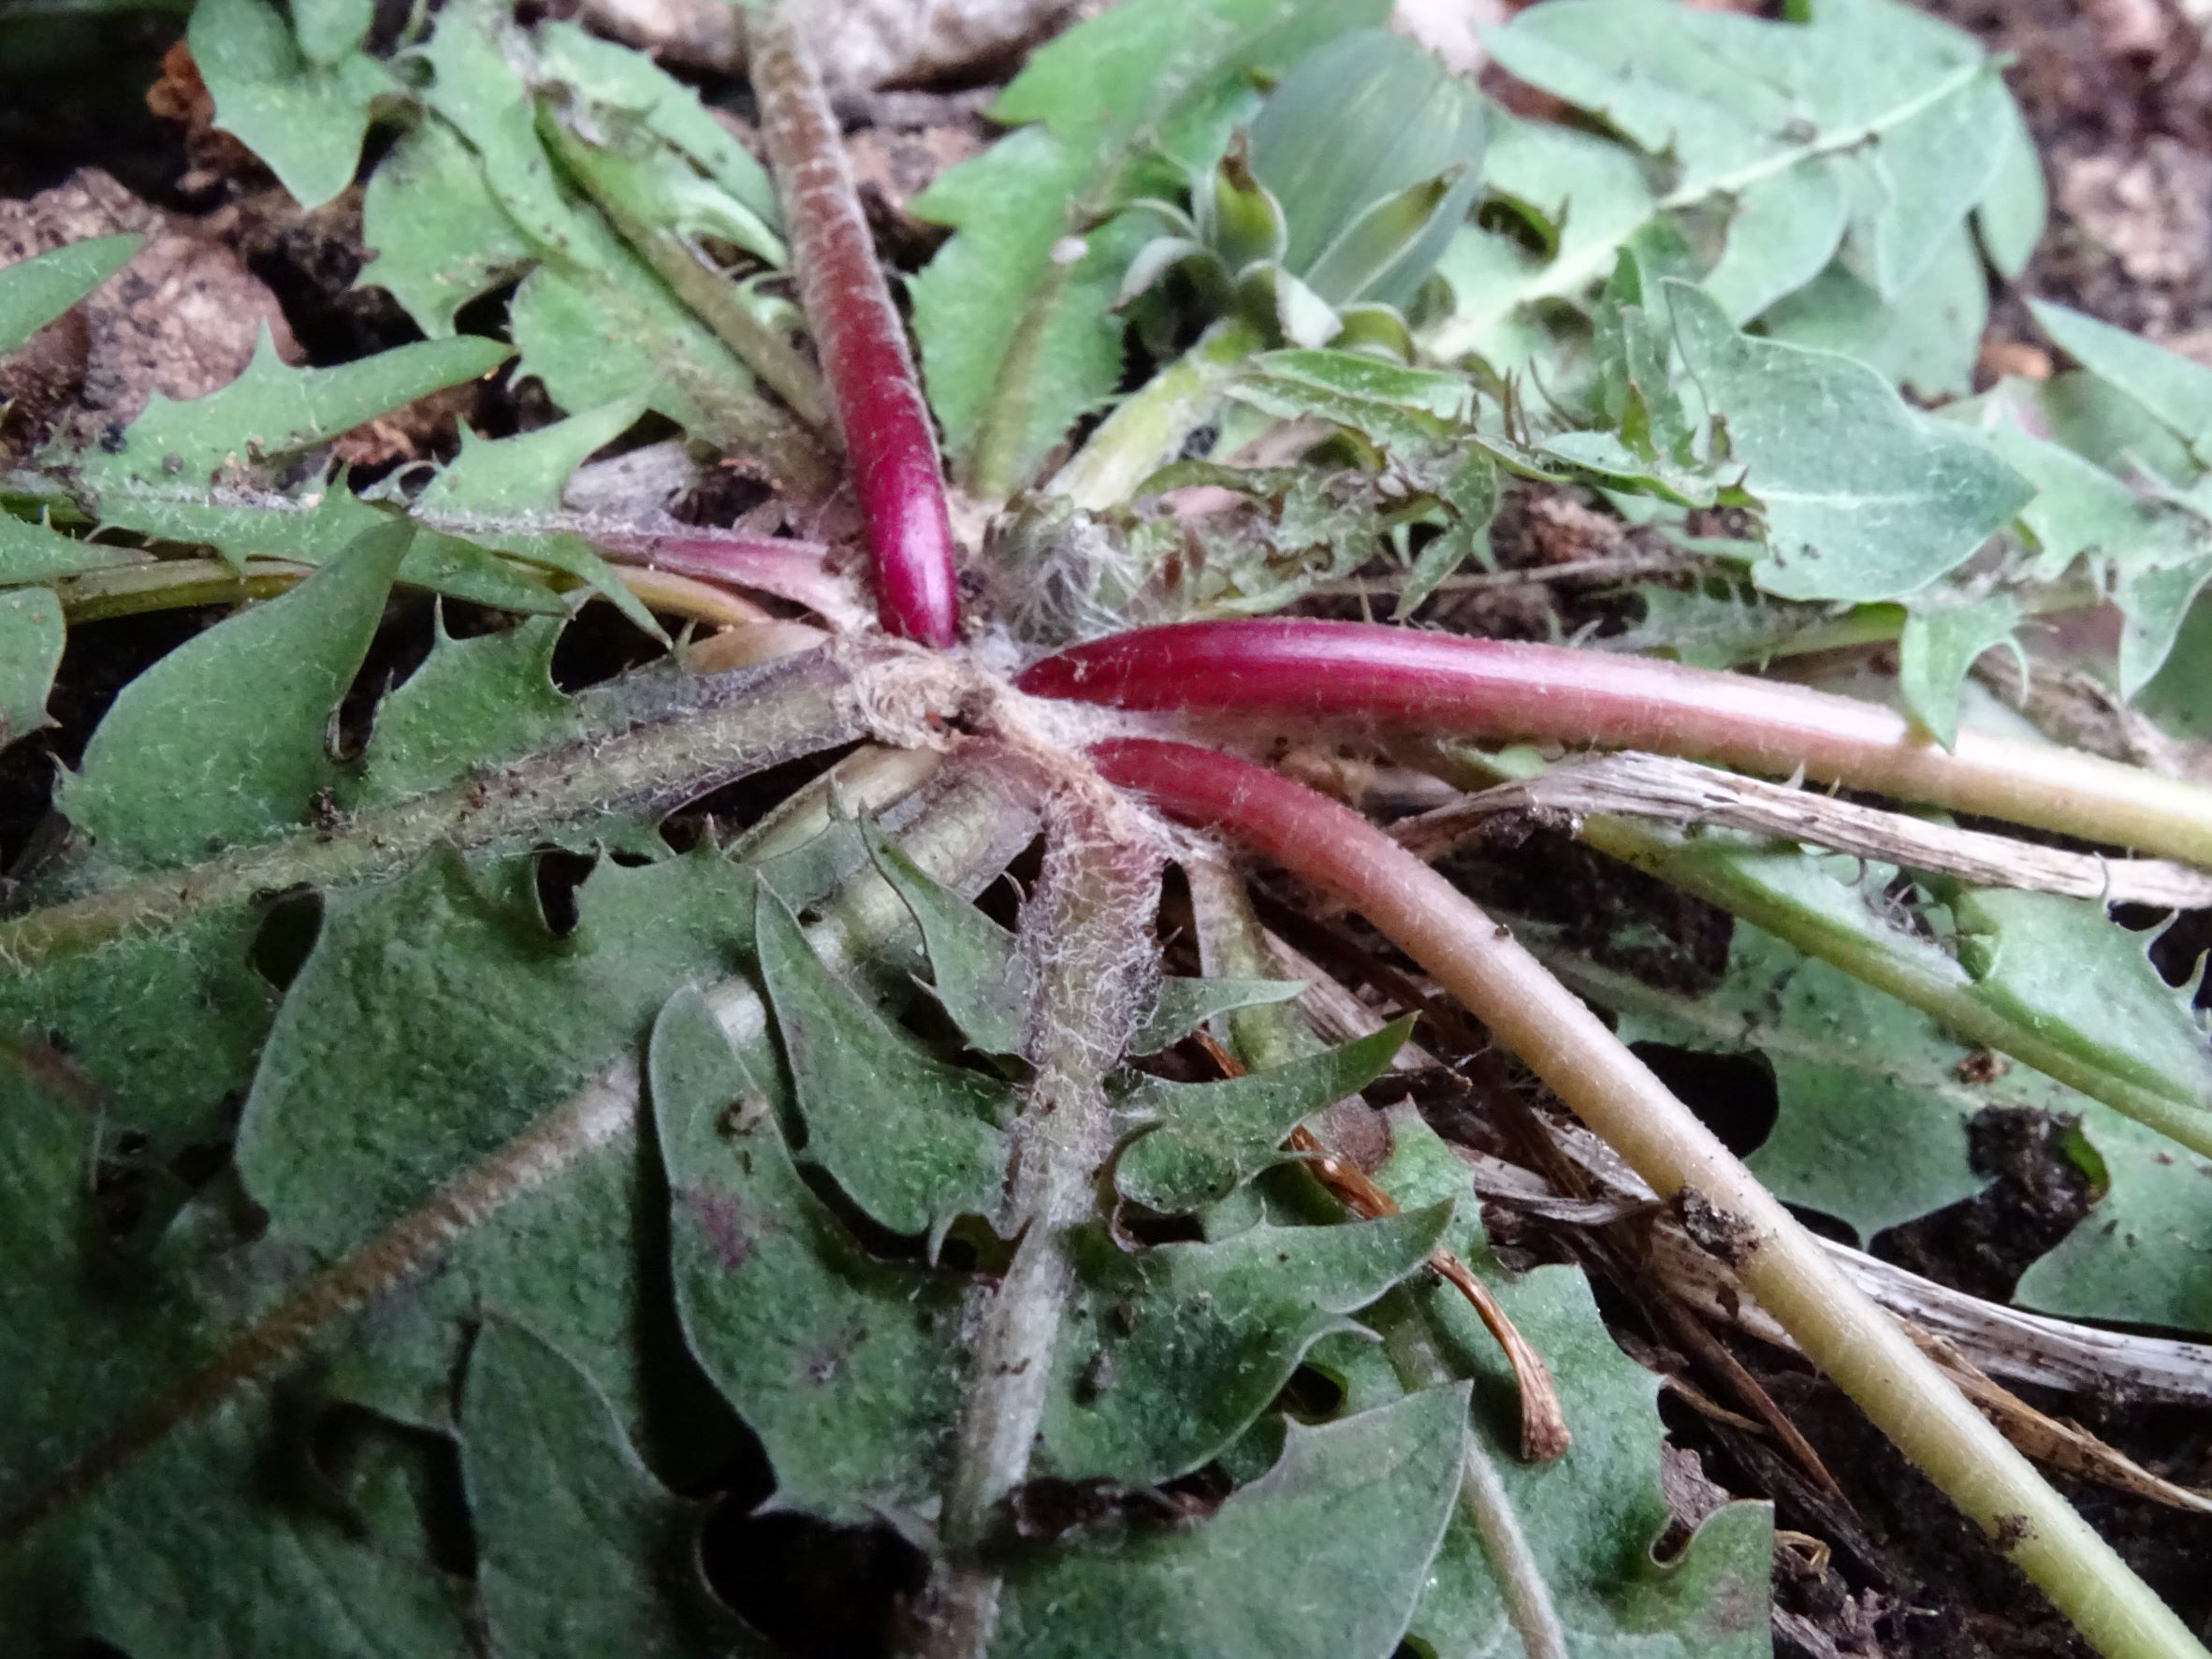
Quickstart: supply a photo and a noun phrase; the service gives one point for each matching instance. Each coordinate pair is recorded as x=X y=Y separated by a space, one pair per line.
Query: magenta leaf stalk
x=1368 y=675
x=1794 y=1278
x=889 y=443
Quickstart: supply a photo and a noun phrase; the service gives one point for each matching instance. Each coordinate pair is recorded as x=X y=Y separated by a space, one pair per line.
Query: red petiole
x=1439 y=685
x=888 y=438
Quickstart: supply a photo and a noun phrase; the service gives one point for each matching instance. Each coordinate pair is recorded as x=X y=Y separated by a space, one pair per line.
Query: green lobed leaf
x=1873 y=1096
x=305 y=118
x=2177 y=392
x=473 y=1014
x=940 y=1155
x=1938 y=649
x=224 y=741
x=1213 y=1137
x=1926 y=341
x=267 y=415
x=439 y=238
x=39 y=553
x=618 y=78
x=847 y=1368
x=31 y=635
x=35 y=291
x=1350 y=1516
x=975 y=974
x=168 y=1025
x=577 y=1544
x=1863 y=499
x=208 y=1546
x=2060 y=967
x=1849 y=87
x=1589 y=1523
x=500 y=492
x=1874 y=1099
x=473 y=702
x=1167 y=1355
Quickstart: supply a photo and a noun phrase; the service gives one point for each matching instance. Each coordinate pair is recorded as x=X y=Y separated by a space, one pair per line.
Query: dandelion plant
x=514 y=1142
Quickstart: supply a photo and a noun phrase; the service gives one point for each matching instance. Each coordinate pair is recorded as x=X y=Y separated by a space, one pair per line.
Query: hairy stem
x=1838 y=1328
x=889 y=441
x=737 y=724
x=964 y=837
x=1150 y=425
x=1087 y=937
x=1358 y=671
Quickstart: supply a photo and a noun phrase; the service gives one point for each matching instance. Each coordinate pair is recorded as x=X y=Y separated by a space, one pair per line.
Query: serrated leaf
x=319 y=527
x=577 y=1544
x=31 y=638
x=1938 y=649
x=1167 y=1355
x=1018 y=337
x=1587 y=1523
x=188 y=1552
x=1735 y=100
x=2060 y=967
x=1848 y=114
x=35 y=553
x=472 y=1014
x=938 y=1152
x=1873 y=1096
x=269 y=414
x=1874 y=1099
x=1179 y=1006
x=2139 y=1255
x=1410 y=411
x=1213 y=1137
x=631 y=81
x=35 y=291
x=1351 y=1515
x=501 y=491
x=848 y=1369
x=473 y=702
x=1863 y=499
x=305 y=119
x=224 y=741
x=977 y=975
x=437 y=235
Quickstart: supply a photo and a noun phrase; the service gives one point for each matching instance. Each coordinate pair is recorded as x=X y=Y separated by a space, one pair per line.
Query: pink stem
x=789 y=569
x=888 y=438
x=1440 y=685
